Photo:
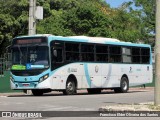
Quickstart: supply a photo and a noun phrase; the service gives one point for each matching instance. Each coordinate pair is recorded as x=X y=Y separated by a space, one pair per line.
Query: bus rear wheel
x=37 y=92
x=70 y=88
x=124 y=86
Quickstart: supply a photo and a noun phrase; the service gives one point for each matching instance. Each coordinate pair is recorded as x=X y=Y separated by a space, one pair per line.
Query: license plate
x=25 y=84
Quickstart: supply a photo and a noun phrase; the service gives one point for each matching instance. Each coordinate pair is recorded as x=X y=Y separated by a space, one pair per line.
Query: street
x=83 y=101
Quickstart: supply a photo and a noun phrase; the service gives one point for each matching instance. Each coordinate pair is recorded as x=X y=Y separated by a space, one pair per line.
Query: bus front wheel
x=124 y=86
x=70 y=88
x=37 y=92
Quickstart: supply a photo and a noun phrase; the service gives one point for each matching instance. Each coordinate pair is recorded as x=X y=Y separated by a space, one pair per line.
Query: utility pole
x=32 y=18
x=31 y=26
x=157 y=54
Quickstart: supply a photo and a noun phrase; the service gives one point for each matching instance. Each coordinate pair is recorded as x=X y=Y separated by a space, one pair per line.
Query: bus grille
x=26 y=72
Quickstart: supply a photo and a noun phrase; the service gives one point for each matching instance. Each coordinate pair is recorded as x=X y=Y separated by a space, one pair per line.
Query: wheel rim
x=124 y=85
x=70 y=87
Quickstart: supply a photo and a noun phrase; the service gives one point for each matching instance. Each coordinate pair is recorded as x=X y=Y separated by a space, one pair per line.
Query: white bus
x=44 y=63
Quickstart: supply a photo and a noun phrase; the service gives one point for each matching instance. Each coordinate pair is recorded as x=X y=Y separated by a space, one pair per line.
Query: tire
x=70 y=88
x=37 y=92
x=124 y=86
x=94 y=91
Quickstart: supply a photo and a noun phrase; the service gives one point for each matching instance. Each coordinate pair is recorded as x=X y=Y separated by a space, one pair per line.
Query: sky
x=116 y=3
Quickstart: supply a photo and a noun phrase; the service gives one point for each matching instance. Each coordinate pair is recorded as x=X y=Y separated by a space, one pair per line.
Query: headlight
x=43 y=77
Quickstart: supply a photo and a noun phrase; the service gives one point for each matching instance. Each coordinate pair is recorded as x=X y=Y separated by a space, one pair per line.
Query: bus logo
x=72 y=70
x=28 y=66
x=25 y=79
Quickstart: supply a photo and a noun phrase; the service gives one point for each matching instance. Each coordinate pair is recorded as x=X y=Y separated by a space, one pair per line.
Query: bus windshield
x=32 y=57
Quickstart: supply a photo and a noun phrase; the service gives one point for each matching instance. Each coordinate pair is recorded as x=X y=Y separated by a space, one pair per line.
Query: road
x=56 y=101
x=81 y=102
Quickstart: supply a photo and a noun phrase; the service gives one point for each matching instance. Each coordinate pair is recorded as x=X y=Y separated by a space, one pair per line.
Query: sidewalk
x=80 y=91
x=12 y=93
x=148 y=106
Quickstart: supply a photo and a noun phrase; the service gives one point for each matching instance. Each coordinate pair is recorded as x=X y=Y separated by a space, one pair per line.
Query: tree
x=13 y=20
x=126 y=25
x=147 y=8
x=76 y=17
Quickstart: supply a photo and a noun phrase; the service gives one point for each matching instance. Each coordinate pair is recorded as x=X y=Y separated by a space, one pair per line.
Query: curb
x=130 y=107
x=11 y=94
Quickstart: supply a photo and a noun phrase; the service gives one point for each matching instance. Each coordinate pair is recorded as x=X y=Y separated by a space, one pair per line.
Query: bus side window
x=57 y=55
x=111 y=59
x=115 y=54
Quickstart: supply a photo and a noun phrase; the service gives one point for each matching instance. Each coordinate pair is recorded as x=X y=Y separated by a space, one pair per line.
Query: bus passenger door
x=57 y=55
x=95 y=72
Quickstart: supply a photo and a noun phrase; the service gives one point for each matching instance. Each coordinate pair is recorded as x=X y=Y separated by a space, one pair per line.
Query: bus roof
x=96 y=39
x=100 y=40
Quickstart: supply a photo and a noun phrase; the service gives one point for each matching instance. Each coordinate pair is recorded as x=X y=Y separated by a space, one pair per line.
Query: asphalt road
x=81 y=102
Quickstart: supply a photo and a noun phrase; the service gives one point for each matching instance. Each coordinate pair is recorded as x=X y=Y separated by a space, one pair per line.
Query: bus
x=45 y=63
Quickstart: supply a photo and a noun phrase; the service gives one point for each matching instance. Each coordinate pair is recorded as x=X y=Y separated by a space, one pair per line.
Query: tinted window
x=136 y=51
x=71 y=56
x=102 y=53
x=145 y=51
x=72 y=47
x=115 y=54
x=136 y=55
x=87 y=48
x=115 y=49
x=87 y=56
x=87 y=52
x=72 y=51
x=59 y=57
x=101 y=49
x=145 y=55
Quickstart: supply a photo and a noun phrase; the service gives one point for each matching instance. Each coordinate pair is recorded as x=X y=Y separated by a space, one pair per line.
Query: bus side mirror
x=55 y=53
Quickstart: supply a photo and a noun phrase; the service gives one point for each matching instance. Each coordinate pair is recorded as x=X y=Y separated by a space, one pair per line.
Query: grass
x=154 y=107
x=5 y=83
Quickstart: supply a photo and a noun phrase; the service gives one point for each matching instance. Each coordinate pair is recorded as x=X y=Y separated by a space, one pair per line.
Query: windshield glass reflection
x=35 y=55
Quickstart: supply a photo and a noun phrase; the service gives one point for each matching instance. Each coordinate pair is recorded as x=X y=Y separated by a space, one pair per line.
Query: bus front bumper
x=29 y=85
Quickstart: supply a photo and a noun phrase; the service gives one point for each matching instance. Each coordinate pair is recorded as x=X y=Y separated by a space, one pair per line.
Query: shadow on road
x=80 y=92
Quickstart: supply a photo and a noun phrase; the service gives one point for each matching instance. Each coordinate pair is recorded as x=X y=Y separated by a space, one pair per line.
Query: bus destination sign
x=29 y=41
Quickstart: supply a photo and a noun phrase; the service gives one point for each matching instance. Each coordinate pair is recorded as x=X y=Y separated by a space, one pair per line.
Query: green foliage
x=13 y=20
x=78 y=17
x=74 y=17
x=126 y=26
x=147 y=14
